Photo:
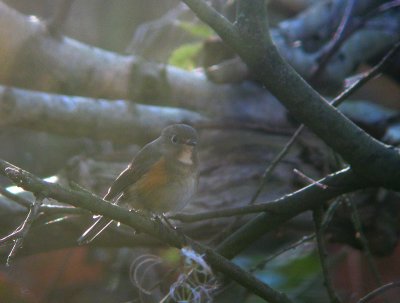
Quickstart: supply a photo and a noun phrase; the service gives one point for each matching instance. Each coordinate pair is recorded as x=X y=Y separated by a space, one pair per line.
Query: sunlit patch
x=52 y=179
x=57 y=220
x=34 y=19
x=16 y=189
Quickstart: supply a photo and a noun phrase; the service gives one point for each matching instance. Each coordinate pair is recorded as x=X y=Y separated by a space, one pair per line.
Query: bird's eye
x=174 y=139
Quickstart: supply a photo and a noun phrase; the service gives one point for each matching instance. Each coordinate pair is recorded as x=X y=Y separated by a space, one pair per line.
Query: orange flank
x=156 y=177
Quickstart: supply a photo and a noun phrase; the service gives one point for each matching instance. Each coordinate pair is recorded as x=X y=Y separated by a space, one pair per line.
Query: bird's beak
x=191 y=142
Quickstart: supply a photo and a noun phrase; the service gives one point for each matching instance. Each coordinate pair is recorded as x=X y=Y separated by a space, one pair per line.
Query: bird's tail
x=94 y=230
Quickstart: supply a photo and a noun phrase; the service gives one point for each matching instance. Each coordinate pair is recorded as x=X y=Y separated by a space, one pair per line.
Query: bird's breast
x=161 y=189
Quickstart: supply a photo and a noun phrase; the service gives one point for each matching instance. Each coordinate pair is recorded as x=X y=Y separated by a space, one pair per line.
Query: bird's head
x=179 y=141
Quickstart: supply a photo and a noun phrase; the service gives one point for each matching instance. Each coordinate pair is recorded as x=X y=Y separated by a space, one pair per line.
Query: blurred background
x=239 y=140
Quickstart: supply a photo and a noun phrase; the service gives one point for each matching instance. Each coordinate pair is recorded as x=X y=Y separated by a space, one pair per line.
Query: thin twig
x=328 y=215
x=62 y=210
x=213 y=19
x=335 y=102
x=338 y=38
x=345 y=32
x=367 y=76
x=46 y=208
x=262 y=263
x=308 y=179
x=298 y=199
x=271 y=167
x=318 y=215
x=264 y=178
x=377 y=292
x=363 y=239
x=19 y=234
x=95 y=204
x=383 y=8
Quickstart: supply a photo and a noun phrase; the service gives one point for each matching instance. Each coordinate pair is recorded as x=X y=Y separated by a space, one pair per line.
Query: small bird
x=161 y=178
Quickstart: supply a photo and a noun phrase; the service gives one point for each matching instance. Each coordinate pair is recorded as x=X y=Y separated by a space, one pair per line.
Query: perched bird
x=161 y=178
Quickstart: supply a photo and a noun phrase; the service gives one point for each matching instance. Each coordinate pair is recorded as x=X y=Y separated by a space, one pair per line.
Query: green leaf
x=171 y=256
x=185 y=55
x=197 y=30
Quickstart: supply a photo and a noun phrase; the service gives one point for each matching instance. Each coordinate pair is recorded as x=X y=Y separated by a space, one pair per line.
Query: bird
x=161 y=178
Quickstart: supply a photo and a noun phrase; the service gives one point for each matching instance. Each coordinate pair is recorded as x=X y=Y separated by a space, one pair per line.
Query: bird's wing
x=140 y=165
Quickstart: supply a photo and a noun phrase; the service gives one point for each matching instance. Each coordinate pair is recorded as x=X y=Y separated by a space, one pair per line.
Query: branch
x=373 y=72
x=120 y=121
x=317 y=215
x=367 y=76
x=356 y=220
x=169 y=236
x=363 y=41
x=338 y=38
x=19 y=200
x=18 y=235
x=275 y=207
x=338 y=132
x=302 y=39
x=70 y=67
x=67 y=66
x=377 y=292
x=290 y=206
x=261 y=264
x=270 y=168
x=57 y=21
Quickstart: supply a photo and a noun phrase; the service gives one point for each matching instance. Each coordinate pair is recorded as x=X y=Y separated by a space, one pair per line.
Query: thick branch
x=32 y=58
x=290 y=206
x=120 y=121
x=343 y=136
x=314 y=28
x=152 y=227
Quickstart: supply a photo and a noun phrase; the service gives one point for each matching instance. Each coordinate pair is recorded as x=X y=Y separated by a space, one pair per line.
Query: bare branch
x=262 y=263
x=19 y=234
x=318 y=215
x=21 y=201
x=33 y=59
x=287 y=206
x=169 y=236
x=364 y=241
x=338 y=38
x=120 y=121
x=343 y=136
x=379 y=291
x=367 y=76
x=310 y=197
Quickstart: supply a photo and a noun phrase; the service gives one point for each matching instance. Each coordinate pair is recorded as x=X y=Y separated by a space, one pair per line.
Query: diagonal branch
x=343 y=136
x=19 y=234
x=171 y=237
x=291 y=205
x=377 y=292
